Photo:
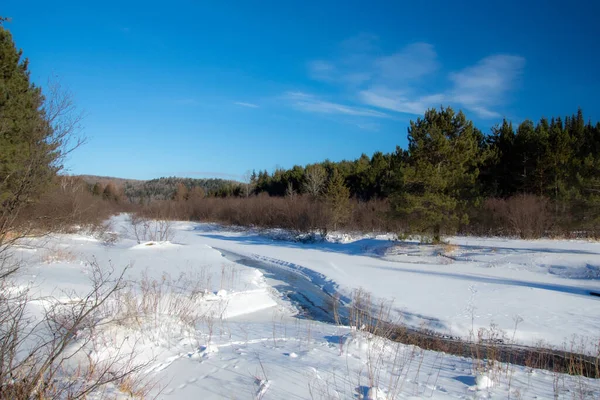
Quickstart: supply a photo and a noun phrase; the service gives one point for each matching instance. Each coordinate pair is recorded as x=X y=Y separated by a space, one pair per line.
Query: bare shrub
x=58 y=254
x=373 y=216
x=68 y=207
x=525 y=215
x=448 y=249
x=298 y=213
x=36 y=354
x=174 y=297
x=488 y=219
x=301 y=214
x=151 y=230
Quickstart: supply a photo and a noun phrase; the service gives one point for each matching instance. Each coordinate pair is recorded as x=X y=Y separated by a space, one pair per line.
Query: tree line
x=164 y=188
x=536 y=179
x=451 y=178
x=555 y=157
x=451 y=169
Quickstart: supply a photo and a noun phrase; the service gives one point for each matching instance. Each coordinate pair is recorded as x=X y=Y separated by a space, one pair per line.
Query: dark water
x=313 y=302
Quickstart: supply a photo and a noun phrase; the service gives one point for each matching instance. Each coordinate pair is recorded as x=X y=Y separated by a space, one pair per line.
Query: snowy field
x=224 y=320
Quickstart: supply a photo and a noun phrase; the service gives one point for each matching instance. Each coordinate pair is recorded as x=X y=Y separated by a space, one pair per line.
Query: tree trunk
x=436 y=233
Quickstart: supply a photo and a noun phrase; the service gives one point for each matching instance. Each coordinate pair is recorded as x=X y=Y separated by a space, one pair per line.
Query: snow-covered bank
x=453 y=289
x=217 y=328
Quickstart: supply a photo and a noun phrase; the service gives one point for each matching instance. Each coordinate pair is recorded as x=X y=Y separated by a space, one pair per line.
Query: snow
x=480 y=283
x=374 y=393
x=483 y=381
x=153 y=245
x=225 y=322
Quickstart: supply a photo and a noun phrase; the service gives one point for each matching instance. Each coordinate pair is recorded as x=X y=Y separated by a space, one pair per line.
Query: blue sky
x=213 y=89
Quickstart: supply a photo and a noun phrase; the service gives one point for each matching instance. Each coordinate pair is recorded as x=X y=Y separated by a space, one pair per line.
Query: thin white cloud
x=364 y=71
x=361 y=63
x=486 y=84
x=399 y=101
x=299 y=95
x=483 y=112
x=244 y=104
x=492 y=73
x=414 y=61
x=356 y=79
x=310 y=103
x=369 y=126
x=396 y=81
x=479 y=89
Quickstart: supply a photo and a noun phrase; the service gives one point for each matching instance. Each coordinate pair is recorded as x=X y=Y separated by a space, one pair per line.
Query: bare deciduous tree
x=248 y=182
x=290 y=192
x=315 y=178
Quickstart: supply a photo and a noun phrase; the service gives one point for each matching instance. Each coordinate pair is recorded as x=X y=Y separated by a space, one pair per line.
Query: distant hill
x=93 y=179
x=162 y=188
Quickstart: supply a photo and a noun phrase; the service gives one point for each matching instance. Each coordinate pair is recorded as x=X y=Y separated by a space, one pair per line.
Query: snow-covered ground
x=238 y=335
x=452 y=289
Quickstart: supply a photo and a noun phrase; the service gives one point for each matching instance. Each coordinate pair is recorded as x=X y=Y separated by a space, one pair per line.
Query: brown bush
x=68 y=205
x=373 y=216
x=488 y=219
x=525 y=215
x=299 y=213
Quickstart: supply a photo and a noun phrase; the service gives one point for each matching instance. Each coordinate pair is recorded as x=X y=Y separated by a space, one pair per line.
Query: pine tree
x=497 y=173
x=558 y=159
x=542 y=173
x=27 y=154
x=263 y=182
x=337 y=197
x=378 y=176
x=439 y=173
x=358 y=177
x=35 y=134
x=587 y=179
x=528 y=150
